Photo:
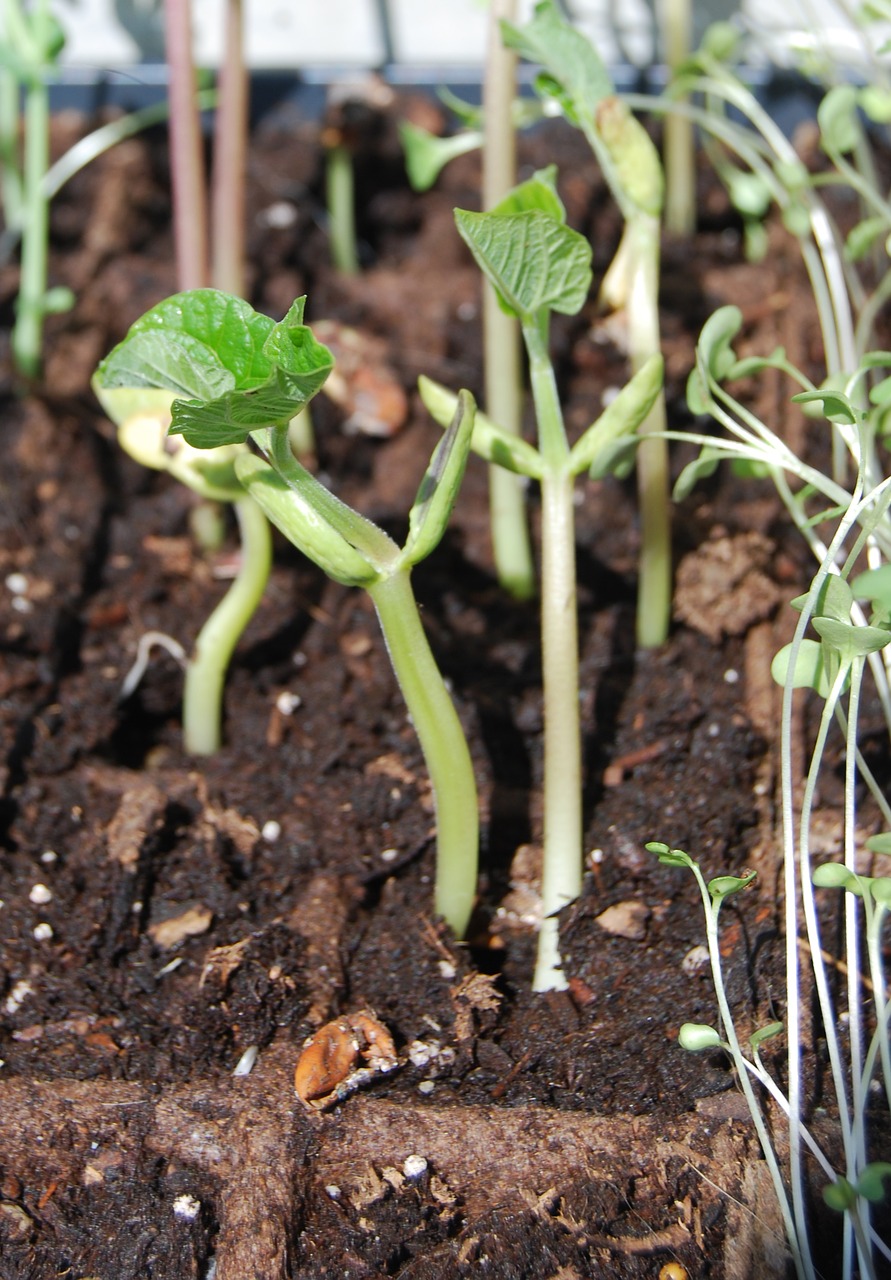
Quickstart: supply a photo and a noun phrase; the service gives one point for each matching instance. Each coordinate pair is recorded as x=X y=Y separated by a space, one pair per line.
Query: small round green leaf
x=696 y=1037
x=834 y=875
x=722 y=887
x=840 y=1195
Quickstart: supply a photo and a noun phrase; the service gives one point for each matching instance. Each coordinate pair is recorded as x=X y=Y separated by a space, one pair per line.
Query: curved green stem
x=342 y=209
x=203 y=692
x=442 y=742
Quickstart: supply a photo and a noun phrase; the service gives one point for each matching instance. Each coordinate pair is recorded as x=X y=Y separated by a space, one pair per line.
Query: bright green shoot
x=699 y=1037
x=425 y=155
x=240 y=377
x=31 y=43
x=537 y=265
x=136 y=386
x=574 y=77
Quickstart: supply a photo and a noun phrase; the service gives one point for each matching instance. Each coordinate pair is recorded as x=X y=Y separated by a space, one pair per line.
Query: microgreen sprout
x=31 y=43
x=241 y=377
x=538 y=265
x=852 y=1193
x=842 y=635
x=575 y=78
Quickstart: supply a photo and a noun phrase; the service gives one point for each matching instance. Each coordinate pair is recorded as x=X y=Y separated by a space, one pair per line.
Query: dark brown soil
x=199 y=908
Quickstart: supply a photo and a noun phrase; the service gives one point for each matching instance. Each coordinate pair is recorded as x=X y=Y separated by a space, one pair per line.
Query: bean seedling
x=575 y=78
x=538 y=265
x=239 y=376
x=31 y=43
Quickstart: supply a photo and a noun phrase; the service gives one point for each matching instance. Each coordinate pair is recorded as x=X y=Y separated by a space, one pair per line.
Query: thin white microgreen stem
x=443 y=743
x=878 y=1045
x=795 y=1235
x=206 y=671
x=562 y=837
x=823 y=259
x=791 y=897
x=852 y=922
x=867 y=541
x=866 y=321
x=763 y=1076
x=502 y=365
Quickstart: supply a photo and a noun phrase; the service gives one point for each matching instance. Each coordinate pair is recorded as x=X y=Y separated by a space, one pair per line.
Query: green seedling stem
x=28 y=331
x=443 y=743
x=511 y=543
x=679 y=154
x=33 y=42
x=235 y=377
x=562 y=843
x=212 y=651
x=576 y=78
x=538 y=265
x=341 y=200
x=374 y=561
x=10 y=167
x=713 y=895
x=834 y=666
x=83 y=152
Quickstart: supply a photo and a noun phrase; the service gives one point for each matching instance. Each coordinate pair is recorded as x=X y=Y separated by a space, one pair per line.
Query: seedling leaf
x=881 y=890
x=576 y=78
x=874 y=584
x=765 y=1033
x=837 y=118
x=490 y=441
x=535 y=263
x=426 y=155
x=835 y=875
x=834 y=599
x=861 y=238
x=538 y=192
x=721 y=887
x=236 y=370
x=439 y=488
x=669 y=857
x=621 y=417
x=580 y=78
x=699 y=469
x=809 y=671
x=714 y=346
x=870 y=1183
x=696 y=1037
x=837 y=407
x=849 y=640
x=840 y=1195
